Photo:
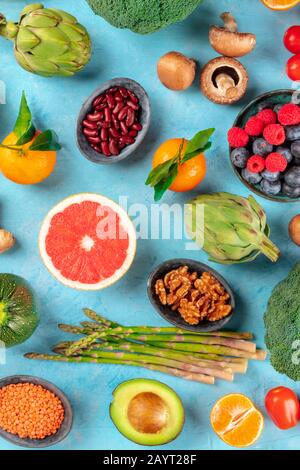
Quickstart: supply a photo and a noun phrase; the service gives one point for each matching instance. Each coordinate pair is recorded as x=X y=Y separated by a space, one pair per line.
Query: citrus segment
x=280 y=4
x=87 y=242
x=236 y=420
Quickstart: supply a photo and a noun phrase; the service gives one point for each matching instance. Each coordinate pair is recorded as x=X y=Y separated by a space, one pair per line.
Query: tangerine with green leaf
x=190 y=173
x=28 y=156
x=179 y=164
x=25 y=166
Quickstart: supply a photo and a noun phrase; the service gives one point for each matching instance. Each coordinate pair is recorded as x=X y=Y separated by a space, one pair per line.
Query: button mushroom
x=224 y=80
x=228 y=41
x=176 y=71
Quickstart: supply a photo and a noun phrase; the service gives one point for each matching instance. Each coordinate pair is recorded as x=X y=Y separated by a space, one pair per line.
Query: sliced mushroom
x=224 y=80
x=228 y=41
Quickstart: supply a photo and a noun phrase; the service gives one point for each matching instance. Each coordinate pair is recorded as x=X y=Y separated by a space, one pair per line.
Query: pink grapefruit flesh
x=87 y=242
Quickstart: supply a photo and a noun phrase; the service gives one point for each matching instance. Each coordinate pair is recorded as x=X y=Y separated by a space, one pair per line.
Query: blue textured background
x=55 y=104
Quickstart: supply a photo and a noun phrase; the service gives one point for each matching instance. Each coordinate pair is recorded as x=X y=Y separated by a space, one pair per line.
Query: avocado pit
x=148 y=413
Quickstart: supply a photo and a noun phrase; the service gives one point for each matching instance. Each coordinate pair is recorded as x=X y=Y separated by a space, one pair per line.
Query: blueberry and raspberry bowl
x=113 y=121
x=265 y=146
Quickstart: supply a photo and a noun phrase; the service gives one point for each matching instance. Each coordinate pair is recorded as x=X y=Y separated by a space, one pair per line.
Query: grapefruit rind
x=126 y=223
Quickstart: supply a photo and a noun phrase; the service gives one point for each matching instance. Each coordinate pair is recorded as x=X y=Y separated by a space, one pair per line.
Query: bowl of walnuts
x=191 y=295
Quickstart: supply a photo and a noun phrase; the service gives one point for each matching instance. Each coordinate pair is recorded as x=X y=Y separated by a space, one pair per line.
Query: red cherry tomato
x=291 y=39
x=283 y=407
x=293 y=68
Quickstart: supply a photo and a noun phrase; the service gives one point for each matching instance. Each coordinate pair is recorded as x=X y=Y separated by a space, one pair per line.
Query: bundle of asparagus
x=198 y=357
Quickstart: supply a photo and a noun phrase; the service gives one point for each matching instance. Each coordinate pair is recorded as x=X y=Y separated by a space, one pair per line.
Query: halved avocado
x=147 y=412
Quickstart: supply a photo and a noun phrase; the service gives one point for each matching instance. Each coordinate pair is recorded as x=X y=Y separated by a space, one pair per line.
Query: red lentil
x=30 y=411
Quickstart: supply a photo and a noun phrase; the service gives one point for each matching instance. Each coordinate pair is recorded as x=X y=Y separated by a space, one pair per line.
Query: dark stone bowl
x=145 y=118
x=174 y=317
x=66 y=424
x=273 y=97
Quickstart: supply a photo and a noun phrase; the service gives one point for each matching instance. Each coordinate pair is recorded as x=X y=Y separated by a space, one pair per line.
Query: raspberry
x=256 y=164
x=274 y=134
x=268 y=116
x=276 y=162
x=289 y=115
x=237 y=137
x=254 y=126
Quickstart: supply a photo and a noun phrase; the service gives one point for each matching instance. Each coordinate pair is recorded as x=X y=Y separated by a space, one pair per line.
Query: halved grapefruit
x=87 y=242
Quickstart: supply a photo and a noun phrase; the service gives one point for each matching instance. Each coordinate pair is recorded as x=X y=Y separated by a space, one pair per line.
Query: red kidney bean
x=118 y=96
x=94 y=140
x=118 y=108
x=107 y=114
x=90 y=132
x=113 y=147
x=98 y=100
x=113 y=89
x=111 y=101
x=122 y=114
x=105 y=149
x=137 y=126
x=133 y=97
x=130 y=117
x=116 y=123
x=125 y=139
x=101 y=106
x=114 y=133
x=94 y=117
x=89 y=125
x=133 y=133
x=105 y=124
x=134 y=106
x=104 y=134
x=124 y=128
x=123 y=91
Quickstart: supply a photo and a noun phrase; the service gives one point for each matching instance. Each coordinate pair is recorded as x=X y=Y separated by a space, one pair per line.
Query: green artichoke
x=47 y=41
x=233 y=230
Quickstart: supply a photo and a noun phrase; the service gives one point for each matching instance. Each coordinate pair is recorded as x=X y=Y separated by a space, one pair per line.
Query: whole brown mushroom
x=176 y=71
x=228 y=41
x=224 y=80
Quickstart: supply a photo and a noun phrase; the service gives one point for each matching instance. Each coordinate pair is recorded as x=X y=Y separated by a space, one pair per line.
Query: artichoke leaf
x=39 y=20
x=26 y=40
x=53 y=43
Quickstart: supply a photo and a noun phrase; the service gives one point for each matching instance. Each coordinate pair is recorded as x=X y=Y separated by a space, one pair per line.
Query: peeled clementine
x=280 y=4
x=236 y=420
x=190 y=173
x=25 y=166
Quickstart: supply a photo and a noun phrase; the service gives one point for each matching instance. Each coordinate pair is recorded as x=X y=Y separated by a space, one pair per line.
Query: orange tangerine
x=280 y=4
x=190 y=173
x=30 y=167
x=236 y=420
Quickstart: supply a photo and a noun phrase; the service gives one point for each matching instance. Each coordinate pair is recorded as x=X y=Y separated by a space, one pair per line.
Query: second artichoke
x=231 y=229
x=48 y=41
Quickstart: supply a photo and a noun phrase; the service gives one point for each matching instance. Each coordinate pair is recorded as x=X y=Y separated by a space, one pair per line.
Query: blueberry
x=295 y=148
x=271 y=176
x=292 y=177
x=264 y=105
x=289 y=191
x=261 y=147
x=286 y=153
x=292 y=132
x=239 y=157
x=270 y=188
x=252 y=178
x=277 y=108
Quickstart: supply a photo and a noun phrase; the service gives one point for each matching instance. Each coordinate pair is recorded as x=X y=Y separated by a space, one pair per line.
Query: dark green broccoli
x=282 y=323
x=143 y=16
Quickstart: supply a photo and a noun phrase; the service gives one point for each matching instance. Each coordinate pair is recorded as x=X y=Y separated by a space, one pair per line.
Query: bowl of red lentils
x=113 y=121
x=33 y=412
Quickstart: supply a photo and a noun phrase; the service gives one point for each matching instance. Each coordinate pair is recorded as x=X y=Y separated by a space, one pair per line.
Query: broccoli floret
x=282 y=323
x=143 y=16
